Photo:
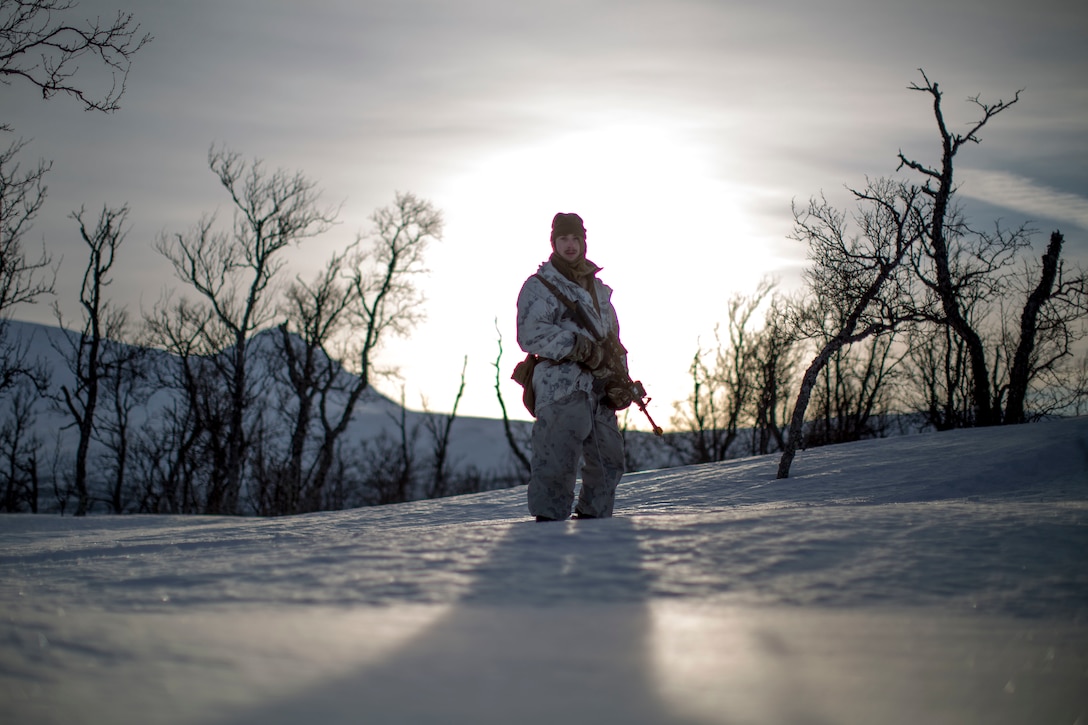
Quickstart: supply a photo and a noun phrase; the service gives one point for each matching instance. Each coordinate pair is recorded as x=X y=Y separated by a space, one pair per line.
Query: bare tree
x=439 y=429
x=39 y=45
x=858 y=282
x=388 y=301
x=385 y=301
x=332 y=332
x=518 y=447
x=232 y=273
x=42 y=44
x=939 y=388
x=124 y=389
x=776 y=358
x=723 y=392
x=390 y=465
x=1046 y=334
x=19 y=451
x=85 y=359
x=1070 y=395
x=853 y=397
x=969 y=275
x=21 y=197
x=1033 y=370
x=958 y=262
x=700 y=420
x=315 y=313
x=183 y=447
x=23 y=279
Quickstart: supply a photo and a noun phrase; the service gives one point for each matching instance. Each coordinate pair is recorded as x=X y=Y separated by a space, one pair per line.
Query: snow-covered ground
x=938 y=578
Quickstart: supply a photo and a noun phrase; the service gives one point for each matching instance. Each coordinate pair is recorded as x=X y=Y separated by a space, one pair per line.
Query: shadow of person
x=554 y=627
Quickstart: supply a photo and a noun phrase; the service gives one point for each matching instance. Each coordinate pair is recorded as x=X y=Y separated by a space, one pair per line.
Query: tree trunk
x=1020 y=374
x=797 y=421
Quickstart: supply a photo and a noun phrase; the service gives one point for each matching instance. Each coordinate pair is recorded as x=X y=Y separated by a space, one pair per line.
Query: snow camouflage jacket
x=548 y=329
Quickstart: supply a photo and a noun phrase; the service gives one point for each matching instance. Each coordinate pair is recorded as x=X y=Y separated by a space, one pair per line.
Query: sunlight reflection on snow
x=766 y=664
x=696 y=651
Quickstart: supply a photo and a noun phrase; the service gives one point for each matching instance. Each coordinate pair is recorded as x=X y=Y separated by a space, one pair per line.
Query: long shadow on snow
x=556 y=625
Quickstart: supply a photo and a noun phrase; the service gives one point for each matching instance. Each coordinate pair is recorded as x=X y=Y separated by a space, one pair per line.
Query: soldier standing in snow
x=566 y=319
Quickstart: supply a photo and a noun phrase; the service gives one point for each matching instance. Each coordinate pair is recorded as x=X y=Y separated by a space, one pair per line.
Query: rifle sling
x=614 y=349
x=578 y=312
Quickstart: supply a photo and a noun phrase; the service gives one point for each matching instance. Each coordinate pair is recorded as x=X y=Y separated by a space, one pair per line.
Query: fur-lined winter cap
x=567 y=223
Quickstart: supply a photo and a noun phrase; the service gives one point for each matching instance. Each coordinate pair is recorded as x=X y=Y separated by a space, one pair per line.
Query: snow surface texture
x=928 y=579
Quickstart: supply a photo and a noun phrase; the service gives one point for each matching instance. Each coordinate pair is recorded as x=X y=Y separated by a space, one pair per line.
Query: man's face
x=568 y=246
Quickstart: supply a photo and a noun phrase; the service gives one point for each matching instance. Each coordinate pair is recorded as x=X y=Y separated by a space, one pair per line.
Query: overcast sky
x=680 y=130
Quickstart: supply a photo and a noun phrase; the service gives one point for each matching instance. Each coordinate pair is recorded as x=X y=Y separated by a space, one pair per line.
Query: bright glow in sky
x=680 y=130
x=657 y=220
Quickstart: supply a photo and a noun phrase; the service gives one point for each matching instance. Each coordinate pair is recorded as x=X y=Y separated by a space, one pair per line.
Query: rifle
x=614 y=361
x=614 y=353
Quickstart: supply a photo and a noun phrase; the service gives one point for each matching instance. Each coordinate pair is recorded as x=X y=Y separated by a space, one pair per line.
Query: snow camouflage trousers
x=567 y=431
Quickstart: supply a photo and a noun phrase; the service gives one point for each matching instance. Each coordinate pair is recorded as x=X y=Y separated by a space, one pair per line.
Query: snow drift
x=935 y=578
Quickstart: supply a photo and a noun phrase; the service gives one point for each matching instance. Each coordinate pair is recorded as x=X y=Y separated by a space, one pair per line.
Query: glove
x=614 y=364
x=587 y=352
x=618 y=396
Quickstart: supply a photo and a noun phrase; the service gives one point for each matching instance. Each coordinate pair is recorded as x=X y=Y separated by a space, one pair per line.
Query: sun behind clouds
x=673 y=234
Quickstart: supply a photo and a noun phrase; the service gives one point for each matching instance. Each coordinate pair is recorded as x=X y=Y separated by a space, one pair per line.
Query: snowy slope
x=927 y=579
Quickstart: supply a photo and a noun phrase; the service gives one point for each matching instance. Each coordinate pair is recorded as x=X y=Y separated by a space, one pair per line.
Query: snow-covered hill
x=937 y=578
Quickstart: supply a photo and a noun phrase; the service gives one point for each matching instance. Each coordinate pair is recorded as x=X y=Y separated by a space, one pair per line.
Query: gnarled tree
x=958 y=265
x=858 y=282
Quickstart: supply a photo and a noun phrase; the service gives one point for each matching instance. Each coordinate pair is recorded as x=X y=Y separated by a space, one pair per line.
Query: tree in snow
x=41 y=45
x=855 y=394
x=858 y=281
x=971 y=278
x=725 y=384
x=23 y=277
x=1038 y=351
x=438 y=429
x=520 y=445
x=336 y=325
x=314 y=313
x=232 y=273
x=88 y=357
x=777 y=357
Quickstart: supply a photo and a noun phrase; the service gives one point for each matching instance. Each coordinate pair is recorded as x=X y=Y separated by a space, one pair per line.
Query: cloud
x=467 y=103
x=1024 y=196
